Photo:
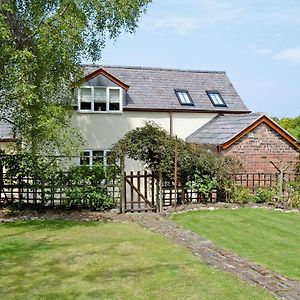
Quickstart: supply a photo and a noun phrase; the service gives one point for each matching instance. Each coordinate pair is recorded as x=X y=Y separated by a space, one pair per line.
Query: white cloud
x=291 y=55
x=179 y=25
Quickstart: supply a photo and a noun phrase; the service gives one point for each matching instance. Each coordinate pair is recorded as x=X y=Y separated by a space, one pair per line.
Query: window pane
x=114 y=96
x=219 y=100
x=86 y=95
x=186 y=97
x=85 y=159
x=86 y=99
x=213 y=98
x=182 y=98
x=85 y=106
x=98 y=157
x=109 y=158
x=99 y=106
x=114 y=106
x=100 y=94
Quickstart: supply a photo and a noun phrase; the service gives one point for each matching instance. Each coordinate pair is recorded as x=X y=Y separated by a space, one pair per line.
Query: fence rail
x=253 y=181
x=141 y=190
x=51 y=193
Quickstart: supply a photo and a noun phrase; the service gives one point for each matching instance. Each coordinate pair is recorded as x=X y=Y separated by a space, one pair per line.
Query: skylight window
x=184 y=97
x=216 y=98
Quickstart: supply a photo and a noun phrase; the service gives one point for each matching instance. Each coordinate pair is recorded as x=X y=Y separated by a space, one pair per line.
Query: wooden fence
x=51 y=193
x=142 y=190
x=253 y=181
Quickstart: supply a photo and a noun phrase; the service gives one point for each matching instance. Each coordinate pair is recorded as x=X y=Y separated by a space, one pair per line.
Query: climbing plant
x=155 y=148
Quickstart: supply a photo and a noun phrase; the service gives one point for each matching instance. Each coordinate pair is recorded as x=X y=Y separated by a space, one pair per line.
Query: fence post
x=122 y=186
x=175 y=174
x=157 y=194
x=281 y=169
x=160 y=192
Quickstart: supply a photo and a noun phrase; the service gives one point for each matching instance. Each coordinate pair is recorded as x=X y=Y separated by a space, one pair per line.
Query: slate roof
x=5 y=131
x=222 y=128
x=153 y=88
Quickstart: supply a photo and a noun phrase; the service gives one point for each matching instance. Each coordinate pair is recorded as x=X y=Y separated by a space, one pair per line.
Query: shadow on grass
x=19 y=249
x=47 y=224
x=126 y=273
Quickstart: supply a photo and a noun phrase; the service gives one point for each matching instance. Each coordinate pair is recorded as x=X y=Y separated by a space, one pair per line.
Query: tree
x=41 y=46
x=292 y=125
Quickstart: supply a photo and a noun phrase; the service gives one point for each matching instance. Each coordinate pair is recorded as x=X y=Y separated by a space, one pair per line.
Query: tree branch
x=7 y=120
x=61 y=14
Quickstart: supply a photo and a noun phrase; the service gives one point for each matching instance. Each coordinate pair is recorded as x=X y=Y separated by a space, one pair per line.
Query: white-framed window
x=91 y=157
x=99 y=99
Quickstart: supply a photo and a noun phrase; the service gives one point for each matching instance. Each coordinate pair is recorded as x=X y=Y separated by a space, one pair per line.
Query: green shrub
x=240 y=195
x=294 y=190
x=203 y=183
x=265 y=195
x=87 y=188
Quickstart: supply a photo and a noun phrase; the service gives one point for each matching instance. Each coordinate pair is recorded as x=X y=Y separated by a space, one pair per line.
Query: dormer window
x=100 y=99
x=184 y=97
x=216 y=98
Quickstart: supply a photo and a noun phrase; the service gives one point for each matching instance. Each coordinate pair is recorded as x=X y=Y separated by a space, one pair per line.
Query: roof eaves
x=191 y=110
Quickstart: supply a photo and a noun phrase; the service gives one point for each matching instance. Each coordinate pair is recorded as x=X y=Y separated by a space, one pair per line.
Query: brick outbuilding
x=254 y=139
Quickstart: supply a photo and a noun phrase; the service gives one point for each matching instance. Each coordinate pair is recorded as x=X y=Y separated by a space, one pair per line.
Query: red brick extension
x=258 y=147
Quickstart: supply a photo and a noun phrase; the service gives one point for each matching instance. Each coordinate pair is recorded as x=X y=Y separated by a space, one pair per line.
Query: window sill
x=100 y=112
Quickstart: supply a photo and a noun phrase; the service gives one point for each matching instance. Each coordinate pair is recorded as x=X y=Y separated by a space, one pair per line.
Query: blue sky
x=256 y=42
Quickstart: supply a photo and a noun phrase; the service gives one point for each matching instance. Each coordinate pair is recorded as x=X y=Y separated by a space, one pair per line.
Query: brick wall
x=258 y=147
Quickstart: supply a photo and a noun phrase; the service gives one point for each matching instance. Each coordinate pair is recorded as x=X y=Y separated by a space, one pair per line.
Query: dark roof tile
x=222 y=128
x=153 y=88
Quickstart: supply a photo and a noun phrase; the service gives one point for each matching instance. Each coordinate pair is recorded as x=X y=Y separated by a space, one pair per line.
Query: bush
x=240 y=195
x=87 y=188
x=294 y=189
x=265 y=195
x=203 y=184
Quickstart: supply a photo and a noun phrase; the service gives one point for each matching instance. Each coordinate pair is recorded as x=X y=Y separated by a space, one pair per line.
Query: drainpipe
x=171 y=122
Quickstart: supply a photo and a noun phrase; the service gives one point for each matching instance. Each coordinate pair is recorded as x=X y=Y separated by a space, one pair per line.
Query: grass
x=269 y=238
x=72 y=260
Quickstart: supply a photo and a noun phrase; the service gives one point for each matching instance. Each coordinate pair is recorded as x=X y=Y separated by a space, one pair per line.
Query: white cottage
x=115 y=100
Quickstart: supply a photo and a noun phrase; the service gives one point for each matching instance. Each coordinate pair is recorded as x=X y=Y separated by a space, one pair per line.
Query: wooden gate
x=140 y=192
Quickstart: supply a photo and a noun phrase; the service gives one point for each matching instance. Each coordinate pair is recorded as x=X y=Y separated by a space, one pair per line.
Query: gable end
x=264 y=119
x=109 y=76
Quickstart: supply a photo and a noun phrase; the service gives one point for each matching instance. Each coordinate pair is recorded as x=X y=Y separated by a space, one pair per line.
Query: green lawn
x=72 y=260
x=269 y=238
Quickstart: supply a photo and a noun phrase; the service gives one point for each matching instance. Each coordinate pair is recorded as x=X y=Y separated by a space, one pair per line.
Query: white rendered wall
x=185 y=124
x=102 y=130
